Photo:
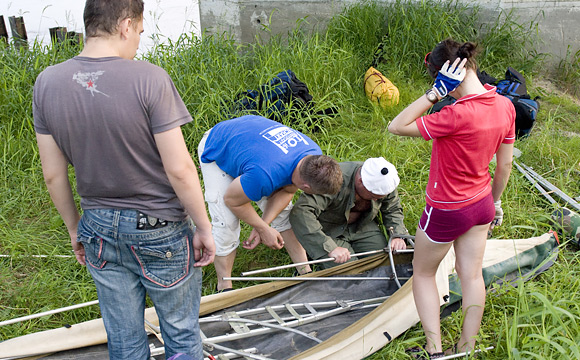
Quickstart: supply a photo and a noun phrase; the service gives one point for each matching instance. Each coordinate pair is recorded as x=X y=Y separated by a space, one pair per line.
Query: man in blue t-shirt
x=252 y=158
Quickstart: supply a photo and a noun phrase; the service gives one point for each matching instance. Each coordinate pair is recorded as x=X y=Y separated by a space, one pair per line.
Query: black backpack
x=284 y=94
x=514 y=88
x=273 y=99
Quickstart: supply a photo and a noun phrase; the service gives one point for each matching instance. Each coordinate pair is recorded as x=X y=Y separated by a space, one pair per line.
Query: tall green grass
x=568 y=72
x=538 y=319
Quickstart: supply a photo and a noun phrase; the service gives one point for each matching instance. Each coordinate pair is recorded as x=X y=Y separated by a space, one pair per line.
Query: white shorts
x=225 y=224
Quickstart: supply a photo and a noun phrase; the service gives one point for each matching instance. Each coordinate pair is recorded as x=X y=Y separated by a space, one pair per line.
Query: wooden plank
x=76 y=38
x=57 y=35
x=18 y=31
x=3 y=31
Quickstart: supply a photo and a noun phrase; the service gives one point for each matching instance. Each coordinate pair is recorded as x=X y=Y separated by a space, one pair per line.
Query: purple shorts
x=443 y=226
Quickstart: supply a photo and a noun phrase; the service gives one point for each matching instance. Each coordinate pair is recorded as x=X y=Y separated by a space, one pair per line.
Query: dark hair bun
x=467 y=50
x=449 y=50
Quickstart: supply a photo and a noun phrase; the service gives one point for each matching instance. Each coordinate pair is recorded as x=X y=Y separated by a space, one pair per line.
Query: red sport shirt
x=465 y=137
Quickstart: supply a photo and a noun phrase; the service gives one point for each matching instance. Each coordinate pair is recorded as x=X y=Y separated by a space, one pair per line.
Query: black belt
x=148 y=222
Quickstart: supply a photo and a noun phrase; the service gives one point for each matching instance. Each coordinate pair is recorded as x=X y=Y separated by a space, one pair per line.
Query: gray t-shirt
x=102 y=113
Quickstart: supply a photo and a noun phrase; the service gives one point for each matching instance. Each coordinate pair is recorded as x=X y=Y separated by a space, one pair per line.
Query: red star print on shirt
x=88 y=81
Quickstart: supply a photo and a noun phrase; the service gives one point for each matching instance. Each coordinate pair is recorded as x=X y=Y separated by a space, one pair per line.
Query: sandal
x=418 y=352
x=222 y=290
x=451 y=351
x=472 y=354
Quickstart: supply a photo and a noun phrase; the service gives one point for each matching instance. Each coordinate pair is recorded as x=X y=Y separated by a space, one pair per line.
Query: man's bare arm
x=182 y=174
x=55 y=171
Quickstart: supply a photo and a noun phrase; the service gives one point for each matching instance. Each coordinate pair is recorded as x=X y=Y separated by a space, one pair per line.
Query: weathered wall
x=558 y=21
x=245 y=19
x=163 y=20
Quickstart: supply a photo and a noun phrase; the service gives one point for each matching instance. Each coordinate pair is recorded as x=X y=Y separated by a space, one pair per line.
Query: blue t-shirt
x=262 y=152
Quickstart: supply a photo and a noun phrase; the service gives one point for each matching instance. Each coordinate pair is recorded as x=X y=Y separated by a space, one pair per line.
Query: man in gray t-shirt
x=118 y=123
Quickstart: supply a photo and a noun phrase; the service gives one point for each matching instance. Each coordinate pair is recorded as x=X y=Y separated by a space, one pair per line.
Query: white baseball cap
x=379 y=176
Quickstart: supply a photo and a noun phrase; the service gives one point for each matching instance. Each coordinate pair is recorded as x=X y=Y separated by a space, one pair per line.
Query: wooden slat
x=3 y=31
x=18 y=31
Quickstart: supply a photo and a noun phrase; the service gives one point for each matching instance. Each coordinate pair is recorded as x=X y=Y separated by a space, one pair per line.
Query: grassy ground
x=537 y=320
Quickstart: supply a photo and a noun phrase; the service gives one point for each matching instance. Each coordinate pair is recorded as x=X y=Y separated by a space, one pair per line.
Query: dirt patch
x=570 y=134
x=551 y=87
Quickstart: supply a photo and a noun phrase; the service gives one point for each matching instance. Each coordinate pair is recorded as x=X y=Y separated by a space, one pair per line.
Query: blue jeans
x=127 y=263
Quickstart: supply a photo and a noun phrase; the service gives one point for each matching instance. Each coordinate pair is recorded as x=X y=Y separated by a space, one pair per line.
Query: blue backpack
x=514 y=88
x=284 y=96
x=275 y=98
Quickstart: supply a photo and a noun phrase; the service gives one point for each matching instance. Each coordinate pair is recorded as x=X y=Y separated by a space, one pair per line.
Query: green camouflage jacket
x=319 y=219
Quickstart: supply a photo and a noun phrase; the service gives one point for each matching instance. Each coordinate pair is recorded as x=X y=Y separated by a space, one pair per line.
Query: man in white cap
x=348 y=222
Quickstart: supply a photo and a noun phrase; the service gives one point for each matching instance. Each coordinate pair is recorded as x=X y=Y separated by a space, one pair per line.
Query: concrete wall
x=245 y=19
x=163 y=20
x=558 y=21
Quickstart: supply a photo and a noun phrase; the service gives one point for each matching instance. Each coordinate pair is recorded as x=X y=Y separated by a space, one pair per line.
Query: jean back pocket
x=164 y=261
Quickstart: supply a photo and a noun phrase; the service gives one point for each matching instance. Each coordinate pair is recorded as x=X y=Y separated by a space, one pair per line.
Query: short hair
x=450 y=49
x=102 y=17
x=322 y=173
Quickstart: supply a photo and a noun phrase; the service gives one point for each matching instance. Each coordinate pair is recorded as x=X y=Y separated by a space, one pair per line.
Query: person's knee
x=127 y=341
x=282 y=221
x=422 y=270
x=221 y=216
x=223 y=250
x=468 y=272
x=226 y=233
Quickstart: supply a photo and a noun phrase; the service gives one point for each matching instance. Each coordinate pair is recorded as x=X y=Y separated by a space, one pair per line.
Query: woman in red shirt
x=462 y=202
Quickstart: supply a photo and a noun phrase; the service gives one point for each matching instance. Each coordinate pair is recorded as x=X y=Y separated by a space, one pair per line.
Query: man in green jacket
x=339 y=225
